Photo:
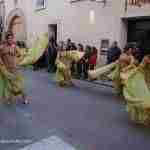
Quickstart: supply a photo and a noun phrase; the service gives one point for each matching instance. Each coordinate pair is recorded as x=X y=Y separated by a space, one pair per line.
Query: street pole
x=2 y=19
x=126 y=5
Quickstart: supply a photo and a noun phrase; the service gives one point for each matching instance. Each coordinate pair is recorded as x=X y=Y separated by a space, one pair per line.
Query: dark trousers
x=73 y=68
x=79 y=69
x=41 y=63
x=91 y=66
x=51 y=58
x=85 y=70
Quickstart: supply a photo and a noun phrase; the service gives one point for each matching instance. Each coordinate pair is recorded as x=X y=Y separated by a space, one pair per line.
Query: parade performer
x=114 y=70
x=33 y=54
x=137 y=92
x=133 y=81
x=22 y=53
x=11 y=80
x=63 y=62
x=125 y=63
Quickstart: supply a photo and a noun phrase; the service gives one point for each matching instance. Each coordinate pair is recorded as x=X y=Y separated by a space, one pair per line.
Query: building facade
x=96 y=23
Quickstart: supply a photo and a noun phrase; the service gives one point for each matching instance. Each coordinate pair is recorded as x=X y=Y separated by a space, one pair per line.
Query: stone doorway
x=16 y=23
x=139 y=32
x=17 y=27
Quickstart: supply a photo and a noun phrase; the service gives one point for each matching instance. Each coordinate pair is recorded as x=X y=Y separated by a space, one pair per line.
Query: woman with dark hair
x=137 y=92
x=80 y=47
x=73 y=46
x=93 y=58
x=116 y=71
x=68 y=44
x=64 y=62
x=10 y=77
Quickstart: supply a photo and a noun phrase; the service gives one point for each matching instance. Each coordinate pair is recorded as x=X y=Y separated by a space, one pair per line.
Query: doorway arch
x=16 y=23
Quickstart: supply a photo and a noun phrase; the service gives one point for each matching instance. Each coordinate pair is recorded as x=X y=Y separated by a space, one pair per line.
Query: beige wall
x=73 y=20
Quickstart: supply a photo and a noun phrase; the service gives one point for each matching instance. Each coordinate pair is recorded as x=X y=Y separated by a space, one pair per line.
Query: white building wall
x=73 y=20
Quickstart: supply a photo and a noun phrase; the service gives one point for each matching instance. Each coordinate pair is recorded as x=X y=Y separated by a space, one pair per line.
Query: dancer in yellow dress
x=137 y=92
x=125 y=63
x=13 y=81
x=63 y=62
x=132 y=80
x=114 y=70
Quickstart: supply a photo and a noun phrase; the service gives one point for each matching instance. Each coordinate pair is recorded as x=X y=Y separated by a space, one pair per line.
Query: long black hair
x=8 y=34
x=127 y=47
x=52 y=42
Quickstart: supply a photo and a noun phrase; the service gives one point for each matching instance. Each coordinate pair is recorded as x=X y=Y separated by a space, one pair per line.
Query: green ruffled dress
x=63 y=62
x=137 y=94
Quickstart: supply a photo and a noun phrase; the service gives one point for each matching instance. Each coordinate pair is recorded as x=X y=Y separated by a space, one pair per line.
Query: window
x=104 y=46
x=138 y=2
x=92 y=17
x=15 y=2
x=40 y=4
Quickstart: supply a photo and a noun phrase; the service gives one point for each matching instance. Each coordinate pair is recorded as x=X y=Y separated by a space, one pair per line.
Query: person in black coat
x=85 y=59
x=51 y=55
x=113 y=53
x=68 y=45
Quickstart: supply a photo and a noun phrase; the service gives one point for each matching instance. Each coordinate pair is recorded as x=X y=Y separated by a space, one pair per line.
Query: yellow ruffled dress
x=137 y=94
x=63 y=62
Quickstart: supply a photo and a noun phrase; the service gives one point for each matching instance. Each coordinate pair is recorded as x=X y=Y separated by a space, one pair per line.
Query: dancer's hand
x=10 y=76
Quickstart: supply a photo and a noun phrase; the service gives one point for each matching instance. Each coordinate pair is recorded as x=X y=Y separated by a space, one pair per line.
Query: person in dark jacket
x=85 y=60
x=73 y=46
x=80 y=63
x=74 y=66
x=68 y=44
x=51 y=55
x=113 y=53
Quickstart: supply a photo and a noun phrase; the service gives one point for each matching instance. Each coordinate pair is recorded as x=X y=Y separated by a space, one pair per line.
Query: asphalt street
x=88 y=116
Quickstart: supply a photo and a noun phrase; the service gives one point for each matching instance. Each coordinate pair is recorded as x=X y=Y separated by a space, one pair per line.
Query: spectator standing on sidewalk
x=68 y=44
x=93 y=58
x=88 y=51
x=51 y=55
x=113 y=53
